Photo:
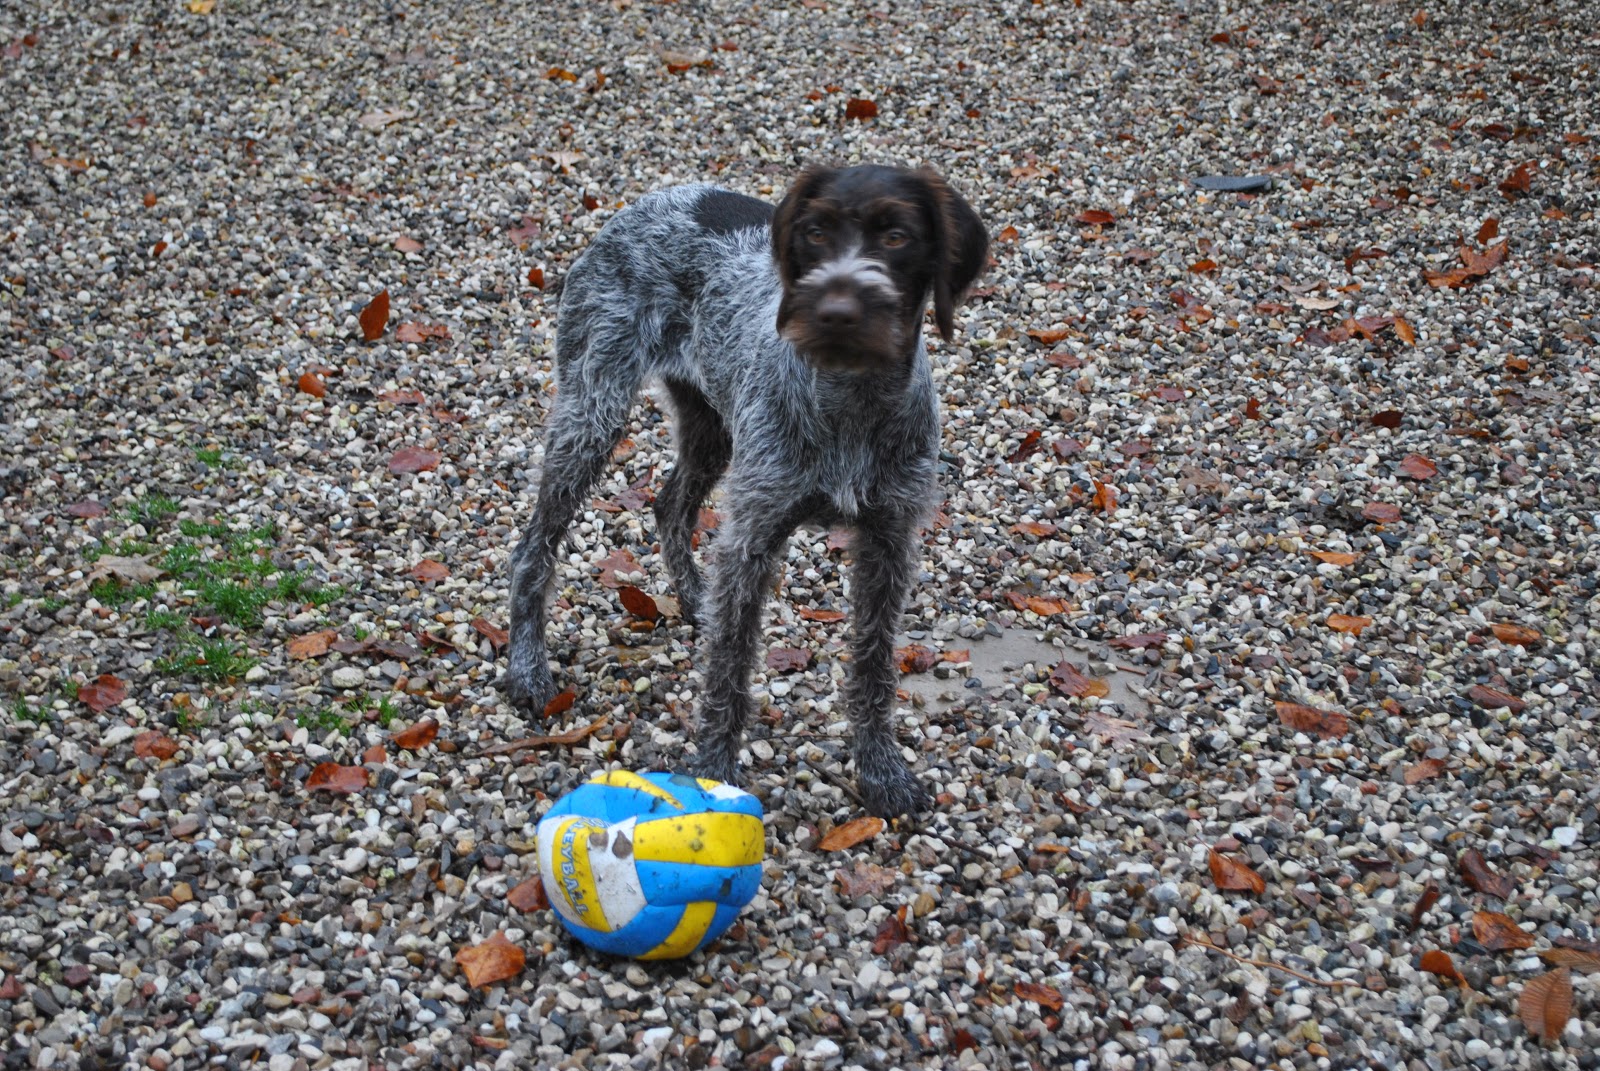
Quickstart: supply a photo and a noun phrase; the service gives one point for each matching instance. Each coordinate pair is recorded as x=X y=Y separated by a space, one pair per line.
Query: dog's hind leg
x=704 y=448
x=586 y=422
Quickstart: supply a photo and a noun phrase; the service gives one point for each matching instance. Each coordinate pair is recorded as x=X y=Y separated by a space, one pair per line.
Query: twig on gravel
x=559 y=740
x=1336 y=983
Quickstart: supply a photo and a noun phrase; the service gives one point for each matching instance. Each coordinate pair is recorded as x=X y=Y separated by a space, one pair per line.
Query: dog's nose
x=839 y=311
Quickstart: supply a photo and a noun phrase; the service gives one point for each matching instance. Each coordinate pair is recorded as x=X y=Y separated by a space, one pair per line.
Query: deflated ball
x=651 y=865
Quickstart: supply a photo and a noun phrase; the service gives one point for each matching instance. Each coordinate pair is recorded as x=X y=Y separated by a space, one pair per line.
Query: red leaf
x=1234 y=875
x=1348 y=623
x=86 y=509
x=865 y=879
x=851 y=833
x=1489 y=231
x=1043 y=995
x=560 y=74
x=1095 y=217
x=1518 y=182
x=638 y=603
x=312 y=384
x=495 y=960
x=1252 y=409
x=1546 y=1004
x=1388 y=418
x=103 y=693
x=859 y=109
x=536 y=277
x=402 y=397
x=561 y=703
x=530 y=895
x=1440 y=963
x=1423 y=770
x=1041 y=529
x=1334 y=557
x=1489 y=697
x=892 y=934
x=1430 y=896
x=1007 y=234
x=1407 y=333
x=1028 y=446
x=151 y=744
x=1381 y=512
x=1067 y=679
x=1418 y=467
x=1328 y=724
x=1482 y=877
x=311 y=645
x=916 y=658
x=415 y=332
x=788 y=659
x=1138 y=641
x=376 y=755
x=1519 y=635
x=417 y=736
x=1105 y=497
x=375 y=316
x=413 y=459
x=340 y=780
x=428 y=570
x=809 y=614
x=1200 y=267
x=618 y=561
x=1498 y=932
x=1049 y=336
x=497 y=636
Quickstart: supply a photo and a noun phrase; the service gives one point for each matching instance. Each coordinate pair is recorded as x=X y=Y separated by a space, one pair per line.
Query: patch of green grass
x=323 y=719
x=217 y=660
x=14 y=600
x=214 y=457
x=326 y=594
x=21 y=712
x=52 y=604
x=152 y=508
x=69 y=686
x=109 y=591
x=203 y=530
x=189 y=720
x=387 y=712
x=165 y=619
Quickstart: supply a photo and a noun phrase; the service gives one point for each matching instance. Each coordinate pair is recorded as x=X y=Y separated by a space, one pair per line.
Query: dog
x=789 y=343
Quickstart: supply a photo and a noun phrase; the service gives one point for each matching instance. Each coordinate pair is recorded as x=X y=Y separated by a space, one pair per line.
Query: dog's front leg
x=885 y=553
x=749 y=541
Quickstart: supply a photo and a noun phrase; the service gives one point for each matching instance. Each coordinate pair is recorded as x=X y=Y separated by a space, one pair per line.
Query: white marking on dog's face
x=853 y=269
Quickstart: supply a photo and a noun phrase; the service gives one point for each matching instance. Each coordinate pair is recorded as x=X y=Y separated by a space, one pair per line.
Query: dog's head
x=860 y=251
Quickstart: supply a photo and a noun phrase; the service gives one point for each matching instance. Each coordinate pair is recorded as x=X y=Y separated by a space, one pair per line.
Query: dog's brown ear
x=962 y=247
x=804 y=189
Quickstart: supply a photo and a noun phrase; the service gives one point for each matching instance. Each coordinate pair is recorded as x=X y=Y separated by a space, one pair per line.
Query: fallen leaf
x=312 y=384
x=1575 y=958
x=1430 y=896
x=529 y=895
x=1200 y=267
x=1042 y=995
x=808 y=613
x=618 y=561
x=495 y=960
x=1049 y=336
x=375 y=316
x=1334 y=557
x=407 y=244
x=1348 y=623
x=383 y=117
x=1252 y=409
x=1407 y=333
x=1519 y=635
x=536 y=277
x=1105 y=497
x=102 y=693
x=429 y=571
x=860 y=109
x=413 y=459
x=135 y=570
x=1138 y=641
x=1482 y=263
x=415 y=332
x=1095 y=217
x=418 y=736
x=1493 y=698
x=1381 y=512
x=151 y=744
x=558 y=740
x=1482 y=877
x=87 y=509
x=1007 y=234
x=1028 y=447
x=891 y=935
x=1043 y=605
x=865 y=879
x=202 y=7
x=851 y=833
x=961 y=1040
x=1114 y=731
x=1546 y=1004
x=788 y=659
x=402 y=397
x=1418 y=467
x=1439 y=963
x=560 y=74
x=560 y=703
x=1489 y=231
x=1069 y=680
x=1424 y=770
x=1328 y=724
x=1498 y=932
x=340 y=780
x=1316 y=304
x=497 y=636
x=1233 y=875
x=1388 y=418
x=1039 y=529
x=638 y=603
x=376 y=755
x=1517 y=183
x=916 y=658
x=956 y=656
x=311 y=645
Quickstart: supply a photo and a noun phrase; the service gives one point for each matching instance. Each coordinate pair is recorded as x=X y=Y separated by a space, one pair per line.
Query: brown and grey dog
x=789 y=343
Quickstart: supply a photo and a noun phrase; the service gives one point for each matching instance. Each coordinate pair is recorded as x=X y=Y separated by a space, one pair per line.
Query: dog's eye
x=816 y=235
x=895 y=238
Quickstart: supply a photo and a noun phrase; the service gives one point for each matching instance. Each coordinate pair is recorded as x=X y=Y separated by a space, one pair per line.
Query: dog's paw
x=528 y=691
x=898 y=796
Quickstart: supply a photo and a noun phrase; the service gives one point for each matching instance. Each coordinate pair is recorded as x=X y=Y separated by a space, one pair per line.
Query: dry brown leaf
x=312 y=384
x=1546 y=1004
x=1423 y=770
x=892 y=934
x=1233 y=875
x=1095 y=217
x=417 y=736
x=1328 y=724
x=152 y=744
x=415 y=332
x=1381 y=512
x=1069 y=680
x=788 y=659
x=558 y=740
x=1348 y=623
x=1043 y=995
x=135 y=570
x=1482 y=877
x=1520 y=635
x=1040 y=529
x=638 y=603
x=495 y=960
x=429 y=571
x=375 y=317
x=1105 y=497
x=1498 y=932
x=1575 y=958
x=1439 y=963
x=916 y=658
x=865 y=879
x=1115 y=731
x=1407 y=333
x=497 y=636
x=807 y=613
x=413 y=459
x=1493 y=698
x=851 y=833
x=529 y=895
x=536 y=277
x=102 y=693
x=561 y=703
x=1334 y=557
x=1418 y=467
x=1316 y=304
x=311 y=645
x=340 y=780
x=860 y=109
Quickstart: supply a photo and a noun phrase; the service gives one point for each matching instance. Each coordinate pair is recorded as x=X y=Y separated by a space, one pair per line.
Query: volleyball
x=651 y=865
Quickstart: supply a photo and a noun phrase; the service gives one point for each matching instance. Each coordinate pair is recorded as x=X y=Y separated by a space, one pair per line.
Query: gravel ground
x=1155 y=423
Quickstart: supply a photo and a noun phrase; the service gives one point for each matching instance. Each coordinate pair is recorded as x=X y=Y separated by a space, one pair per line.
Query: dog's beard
x=878 y=340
